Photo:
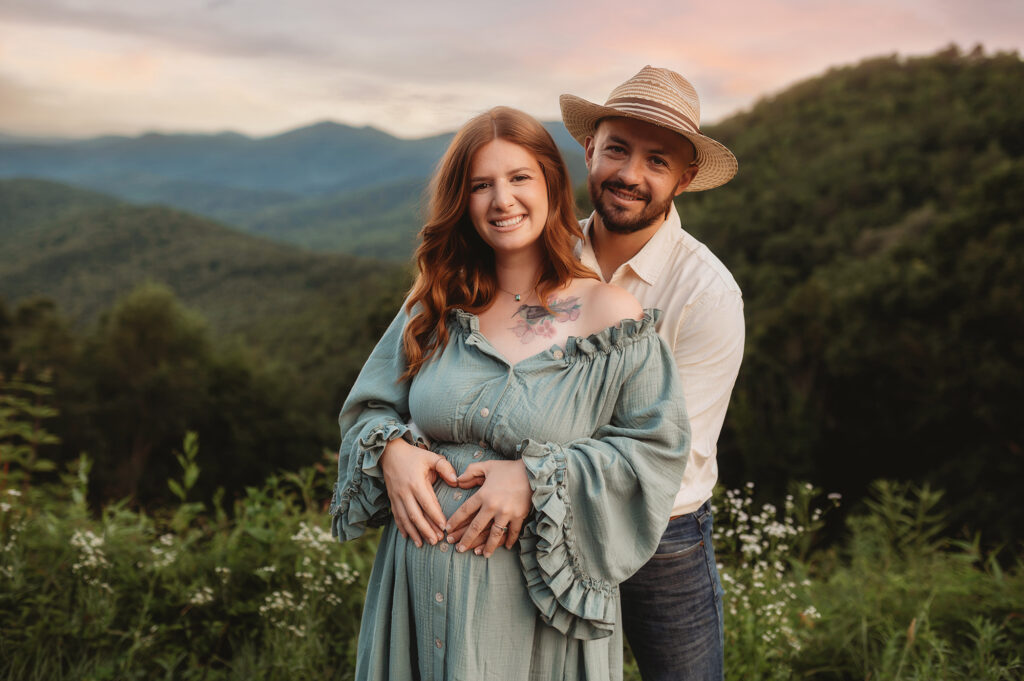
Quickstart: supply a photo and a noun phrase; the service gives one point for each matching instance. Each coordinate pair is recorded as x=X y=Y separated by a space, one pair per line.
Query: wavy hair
x=455 y=266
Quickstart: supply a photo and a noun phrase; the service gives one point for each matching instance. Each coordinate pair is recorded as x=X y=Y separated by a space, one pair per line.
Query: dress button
x=457 y=495
x=477 y=454
x=438 y=597
x=557 y=354
x=444 y=547
x=437 y=642
x=485 y=412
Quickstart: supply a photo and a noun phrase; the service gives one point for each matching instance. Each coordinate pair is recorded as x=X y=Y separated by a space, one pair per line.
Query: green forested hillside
x=85 y=251
x=258 y=361
x=380 y=222
x=877 y=229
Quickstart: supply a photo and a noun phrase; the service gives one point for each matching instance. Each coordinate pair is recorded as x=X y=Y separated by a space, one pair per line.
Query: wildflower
x=163 y=552
x=223 y=572
x=202 y=597
x=91 y=559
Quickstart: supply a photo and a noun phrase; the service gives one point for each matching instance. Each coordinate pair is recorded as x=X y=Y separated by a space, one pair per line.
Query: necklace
x=519 y=296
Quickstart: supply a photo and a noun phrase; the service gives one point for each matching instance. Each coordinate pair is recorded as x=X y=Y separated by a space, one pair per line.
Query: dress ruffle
x=362 y=501
x=618 y=337
x=566 y=597
x=604 y=342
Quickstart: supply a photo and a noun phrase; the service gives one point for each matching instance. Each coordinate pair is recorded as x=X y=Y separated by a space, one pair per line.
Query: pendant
x=518 y=297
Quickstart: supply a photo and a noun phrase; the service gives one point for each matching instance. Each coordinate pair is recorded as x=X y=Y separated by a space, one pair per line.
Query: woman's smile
x=508 y=224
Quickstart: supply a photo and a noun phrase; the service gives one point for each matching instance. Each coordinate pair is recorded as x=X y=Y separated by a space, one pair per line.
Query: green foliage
x=193 y=592
x=189 y=467
x=129 y=390
x=876 y=230
x=185 y=593
x=24 y=406
x=763 y=562
x=902 y=603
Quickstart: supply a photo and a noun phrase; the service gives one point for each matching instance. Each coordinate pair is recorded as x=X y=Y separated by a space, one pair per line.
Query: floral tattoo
x=533 y=320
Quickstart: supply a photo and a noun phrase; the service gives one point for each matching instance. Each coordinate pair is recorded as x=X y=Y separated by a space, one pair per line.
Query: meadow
x=259 y=588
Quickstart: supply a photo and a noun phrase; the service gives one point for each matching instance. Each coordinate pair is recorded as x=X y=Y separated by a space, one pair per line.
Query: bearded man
x=643 y=149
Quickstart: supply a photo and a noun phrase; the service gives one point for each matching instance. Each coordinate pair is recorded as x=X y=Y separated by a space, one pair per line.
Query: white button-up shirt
x=702 y=322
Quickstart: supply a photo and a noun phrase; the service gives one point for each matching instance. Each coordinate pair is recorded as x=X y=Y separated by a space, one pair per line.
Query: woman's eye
x=479 y=186
x=520 y=178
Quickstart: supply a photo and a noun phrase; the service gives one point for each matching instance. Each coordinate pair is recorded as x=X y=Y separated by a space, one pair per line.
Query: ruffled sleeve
x=375 y=412
x=602 y=503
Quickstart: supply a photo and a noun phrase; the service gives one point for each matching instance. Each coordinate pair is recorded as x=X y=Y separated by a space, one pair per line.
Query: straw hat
x=664 y=98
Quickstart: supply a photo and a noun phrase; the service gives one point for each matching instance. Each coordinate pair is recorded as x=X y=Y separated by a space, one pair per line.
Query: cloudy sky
x=88 y=67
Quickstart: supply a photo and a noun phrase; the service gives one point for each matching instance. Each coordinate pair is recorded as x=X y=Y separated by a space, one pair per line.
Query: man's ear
x=688 y=175
x=588 y=150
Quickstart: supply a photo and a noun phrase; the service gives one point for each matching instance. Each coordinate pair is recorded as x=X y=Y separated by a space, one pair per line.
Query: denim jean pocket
x=677 y=550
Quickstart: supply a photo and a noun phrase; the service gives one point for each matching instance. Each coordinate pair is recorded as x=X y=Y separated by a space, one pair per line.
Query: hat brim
x=716 y=164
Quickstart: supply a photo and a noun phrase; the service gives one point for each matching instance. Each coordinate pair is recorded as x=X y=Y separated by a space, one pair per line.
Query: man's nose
x=631 y=171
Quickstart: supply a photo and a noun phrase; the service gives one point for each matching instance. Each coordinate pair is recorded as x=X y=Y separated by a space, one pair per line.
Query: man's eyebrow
x=625 y=143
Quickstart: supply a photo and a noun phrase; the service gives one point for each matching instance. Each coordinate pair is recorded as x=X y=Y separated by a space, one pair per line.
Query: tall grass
x=263 y=592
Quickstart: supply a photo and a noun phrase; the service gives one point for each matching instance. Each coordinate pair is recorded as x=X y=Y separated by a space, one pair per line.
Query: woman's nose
x=503 y=197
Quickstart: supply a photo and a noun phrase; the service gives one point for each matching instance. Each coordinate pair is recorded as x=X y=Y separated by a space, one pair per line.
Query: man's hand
x=502 y=504
x=409 y=474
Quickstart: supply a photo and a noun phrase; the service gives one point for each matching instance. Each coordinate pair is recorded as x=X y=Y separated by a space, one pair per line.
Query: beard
x=617 y=219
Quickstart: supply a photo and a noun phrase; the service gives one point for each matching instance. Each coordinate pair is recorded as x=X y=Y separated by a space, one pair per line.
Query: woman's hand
x=409 y=474
x=503 y=502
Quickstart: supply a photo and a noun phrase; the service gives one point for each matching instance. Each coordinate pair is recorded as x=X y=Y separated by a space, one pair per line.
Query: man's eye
x=658 y=161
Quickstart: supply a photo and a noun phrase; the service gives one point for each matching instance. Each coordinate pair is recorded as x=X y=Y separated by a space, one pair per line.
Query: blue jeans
x=672 y=607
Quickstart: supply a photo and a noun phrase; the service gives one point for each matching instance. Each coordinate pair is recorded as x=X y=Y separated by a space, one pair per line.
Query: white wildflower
x=202 y=597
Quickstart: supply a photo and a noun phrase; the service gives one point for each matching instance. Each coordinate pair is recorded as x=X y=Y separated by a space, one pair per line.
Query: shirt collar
x=650 y=261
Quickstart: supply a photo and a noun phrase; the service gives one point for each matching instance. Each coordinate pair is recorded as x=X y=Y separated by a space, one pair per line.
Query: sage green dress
x=602 y=429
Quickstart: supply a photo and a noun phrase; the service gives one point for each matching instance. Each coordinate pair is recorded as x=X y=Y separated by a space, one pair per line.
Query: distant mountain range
x=327 y=186
x=86 y=250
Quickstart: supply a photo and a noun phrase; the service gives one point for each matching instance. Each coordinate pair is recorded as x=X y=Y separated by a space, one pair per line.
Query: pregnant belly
x=460 y=455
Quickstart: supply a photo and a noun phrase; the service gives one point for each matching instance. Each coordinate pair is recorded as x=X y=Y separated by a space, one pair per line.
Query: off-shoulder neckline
x=626 y=332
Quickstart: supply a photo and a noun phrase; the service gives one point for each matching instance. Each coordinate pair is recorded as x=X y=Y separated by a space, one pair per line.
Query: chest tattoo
x=532 y=321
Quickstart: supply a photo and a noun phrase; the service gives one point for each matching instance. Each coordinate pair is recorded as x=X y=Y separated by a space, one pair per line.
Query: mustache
x=619 y=184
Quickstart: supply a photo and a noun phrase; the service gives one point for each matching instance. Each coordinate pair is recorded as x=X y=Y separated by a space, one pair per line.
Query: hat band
x=653 y=109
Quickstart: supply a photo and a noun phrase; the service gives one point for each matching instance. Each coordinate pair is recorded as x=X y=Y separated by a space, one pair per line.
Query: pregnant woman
x=542 y=389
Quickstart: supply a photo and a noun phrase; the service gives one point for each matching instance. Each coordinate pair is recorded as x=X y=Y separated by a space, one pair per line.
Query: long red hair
x=456 y=267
